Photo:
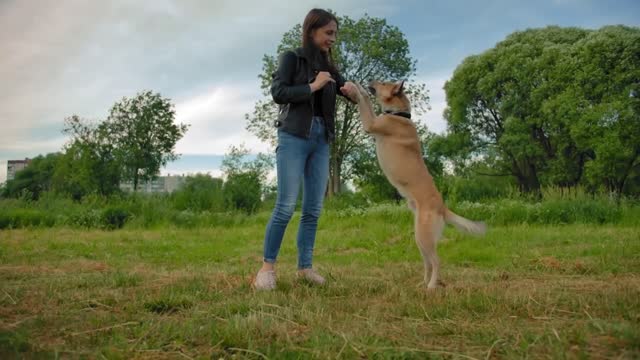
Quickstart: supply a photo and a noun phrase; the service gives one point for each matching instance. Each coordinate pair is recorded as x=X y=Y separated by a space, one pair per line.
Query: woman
x=305 y=86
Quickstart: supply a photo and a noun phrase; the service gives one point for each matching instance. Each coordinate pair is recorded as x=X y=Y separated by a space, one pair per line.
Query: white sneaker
x=265 y=280
x=312 y=276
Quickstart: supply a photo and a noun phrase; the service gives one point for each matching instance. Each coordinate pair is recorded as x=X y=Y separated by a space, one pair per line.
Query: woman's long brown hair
x=317 y=18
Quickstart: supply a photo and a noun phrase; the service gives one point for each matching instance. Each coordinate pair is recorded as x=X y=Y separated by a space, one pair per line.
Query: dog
x=400 y=157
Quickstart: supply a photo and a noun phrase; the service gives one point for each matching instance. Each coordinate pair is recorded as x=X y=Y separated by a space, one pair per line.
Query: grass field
x=567 y=291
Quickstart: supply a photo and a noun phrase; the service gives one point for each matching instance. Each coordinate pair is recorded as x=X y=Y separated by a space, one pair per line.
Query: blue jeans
x=299 y=159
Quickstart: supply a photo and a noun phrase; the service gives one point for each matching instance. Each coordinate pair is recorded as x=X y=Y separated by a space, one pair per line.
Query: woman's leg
x=316 y=174
x=291 y=156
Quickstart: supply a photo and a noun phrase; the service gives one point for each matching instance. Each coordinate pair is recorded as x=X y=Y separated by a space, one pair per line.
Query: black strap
x=404 y=114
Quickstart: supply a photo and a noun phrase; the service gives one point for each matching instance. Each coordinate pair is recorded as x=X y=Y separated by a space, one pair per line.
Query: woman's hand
x=321 y=80
x=350 y=90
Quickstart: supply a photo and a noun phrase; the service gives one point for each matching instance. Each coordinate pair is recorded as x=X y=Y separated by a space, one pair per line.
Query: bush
x=88 y=219
x=114 y=218
x=347 y=200
x=21 y=218
x=553 y=212
x=242 y=191
x=144 y=211
x=476 y=188
x=185 y=219
x=199 y=193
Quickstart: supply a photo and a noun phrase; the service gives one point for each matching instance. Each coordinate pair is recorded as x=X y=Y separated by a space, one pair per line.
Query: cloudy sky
x=64 y=57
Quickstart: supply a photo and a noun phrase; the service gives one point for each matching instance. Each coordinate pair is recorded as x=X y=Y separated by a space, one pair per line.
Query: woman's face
x=325 y=36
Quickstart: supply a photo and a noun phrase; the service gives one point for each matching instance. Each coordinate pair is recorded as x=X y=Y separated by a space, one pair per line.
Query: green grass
x=555 y=291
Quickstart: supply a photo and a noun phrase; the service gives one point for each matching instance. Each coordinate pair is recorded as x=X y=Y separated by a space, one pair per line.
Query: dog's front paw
x=361 y=91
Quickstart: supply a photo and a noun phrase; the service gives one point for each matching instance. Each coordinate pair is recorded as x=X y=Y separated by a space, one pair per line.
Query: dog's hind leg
x=428 y=227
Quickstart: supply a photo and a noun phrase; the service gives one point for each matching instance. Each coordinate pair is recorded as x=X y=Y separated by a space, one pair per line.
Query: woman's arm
x=283 y=90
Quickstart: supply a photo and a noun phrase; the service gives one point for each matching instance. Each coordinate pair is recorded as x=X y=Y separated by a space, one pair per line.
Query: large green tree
x=89 y=162
x=521 y=105
x=367 y=48
x=144 y=133
x=606 y=111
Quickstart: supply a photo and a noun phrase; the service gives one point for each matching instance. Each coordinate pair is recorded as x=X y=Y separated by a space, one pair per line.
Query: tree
x=245 y=180
x=366 y=49
x=519 y=103
x=144 y=135
x=89 y=163
x=34 y=179
x=607 y=113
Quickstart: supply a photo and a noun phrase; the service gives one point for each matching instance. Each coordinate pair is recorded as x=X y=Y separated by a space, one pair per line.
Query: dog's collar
x=399 y=113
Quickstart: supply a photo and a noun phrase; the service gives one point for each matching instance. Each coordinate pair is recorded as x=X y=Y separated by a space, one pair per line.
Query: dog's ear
x=398 y=87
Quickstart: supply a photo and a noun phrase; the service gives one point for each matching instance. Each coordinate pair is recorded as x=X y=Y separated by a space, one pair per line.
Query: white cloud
x=36 y=147
x=67 y=57
x=216 y=120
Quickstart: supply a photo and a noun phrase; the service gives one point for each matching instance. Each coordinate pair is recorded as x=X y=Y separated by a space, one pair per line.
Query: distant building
x=13 y=166
x=162 y=184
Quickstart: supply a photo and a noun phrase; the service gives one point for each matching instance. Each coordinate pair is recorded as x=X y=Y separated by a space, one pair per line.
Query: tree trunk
x=625 y=175
x=527 y=177
x=339 y=147
x=135 y=181
x=532 y=184
x=335 y=176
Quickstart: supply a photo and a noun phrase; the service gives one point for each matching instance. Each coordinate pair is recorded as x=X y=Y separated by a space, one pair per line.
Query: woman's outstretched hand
x=350 y=90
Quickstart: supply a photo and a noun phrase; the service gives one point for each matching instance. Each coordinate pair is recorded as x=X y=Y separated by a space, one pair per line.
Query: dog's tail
x=465 y=225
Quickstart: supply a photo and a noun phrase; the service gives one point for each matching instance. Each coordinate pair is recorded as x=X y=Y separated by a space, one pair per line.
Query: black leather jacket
x=290 y=88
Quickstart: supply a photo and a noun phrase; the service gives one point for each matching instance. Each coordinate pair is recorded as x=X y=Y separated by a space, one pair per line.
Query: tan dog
x=400 y=157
